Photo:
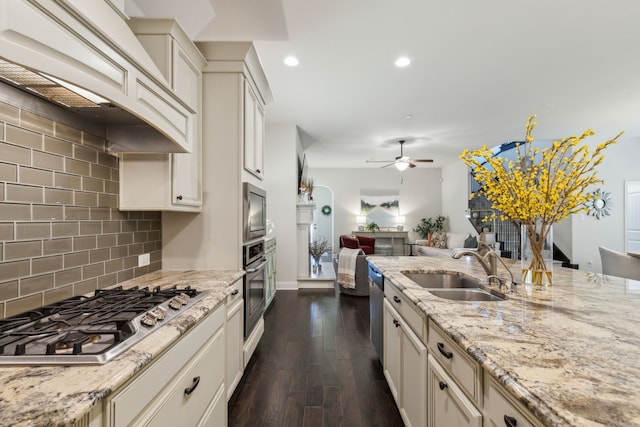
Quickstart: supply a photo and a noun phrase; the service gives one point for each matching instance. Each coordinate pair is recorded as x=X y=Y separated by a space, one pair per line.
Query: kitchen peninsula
x=568 y=353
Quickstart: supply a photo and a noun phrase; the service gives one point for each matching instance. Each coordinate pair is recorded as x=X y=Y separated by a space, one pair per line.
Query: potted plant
x=317 y=248
x=427 y=226
x=372 y=226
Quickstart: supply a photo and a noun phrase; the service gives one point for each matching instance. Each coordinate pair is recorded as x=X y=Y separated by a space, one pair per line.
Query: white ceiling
x=479 y=69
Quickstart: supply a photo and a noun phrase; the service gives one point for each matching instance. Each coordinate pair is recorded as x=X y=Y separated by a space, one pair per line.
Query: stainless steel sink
x=442 y=280
x=465 y=294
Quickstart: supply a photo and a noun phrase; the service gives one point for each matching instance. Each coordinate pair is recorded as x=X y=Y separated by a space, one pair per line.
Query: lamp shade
x=400 y=219
x=361 y=219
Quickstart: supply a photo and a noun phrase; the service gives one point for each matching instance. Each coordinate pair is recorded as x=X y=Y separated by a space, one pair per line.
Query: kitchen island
x=63 y=395
x=569 y=353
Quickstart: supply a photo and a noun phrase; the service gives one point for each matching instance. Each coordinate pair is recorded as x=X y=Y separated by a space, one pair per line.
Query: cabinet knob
x=510 y=421
x=179 y=197
x=396 y=299
x=258 y=171
x=235 y=292
x=193 y=386
x=395 y=322
x=444 y=352
x=442 y=385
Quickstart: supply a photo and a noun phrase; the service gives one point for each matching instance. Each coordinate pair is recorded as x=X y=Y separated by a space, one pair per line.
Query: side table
x=411 y=245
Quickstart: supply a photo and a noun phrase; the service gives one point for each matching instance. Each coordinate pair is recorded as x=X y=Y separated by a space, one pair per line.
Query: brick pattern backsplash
x=61 y=233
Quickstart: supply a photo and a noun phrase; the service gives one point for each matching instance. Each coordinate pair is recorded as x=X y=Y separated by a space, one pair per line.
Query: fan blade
x=422 y=160
x=411 y=165
x=390 y=164
x=378 y=161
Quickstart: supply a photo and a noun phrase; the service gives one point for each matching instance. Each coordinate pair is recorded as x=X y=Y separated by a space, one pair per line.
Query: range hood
x=82 y=57
x=63 y=102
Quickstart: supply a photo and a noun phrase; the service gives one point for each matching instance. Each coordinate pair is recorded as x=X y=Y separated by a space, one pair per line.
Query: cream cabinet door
x=253 y=133
x=447 y=404
x=270 y=281
x=414 y=379
x=392 y=334
x=235 y=335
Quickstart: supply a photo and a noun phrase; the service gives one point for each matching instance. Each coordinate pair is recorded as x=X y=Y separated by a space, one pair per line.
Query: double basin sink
x=452 y=286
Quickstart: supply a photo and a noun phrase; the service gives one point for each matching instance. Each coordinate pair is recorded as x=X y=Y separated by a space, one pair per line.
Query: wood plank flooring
x=315 y=366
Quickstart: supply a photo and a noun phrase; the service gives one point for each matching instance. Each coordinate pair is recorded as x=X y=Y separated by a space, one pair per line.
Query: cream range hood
x=56 y=49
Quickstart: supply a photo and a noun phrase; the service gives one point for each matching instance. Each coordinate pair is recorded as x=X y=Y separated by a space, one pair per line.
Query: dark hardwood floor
x=315 y=366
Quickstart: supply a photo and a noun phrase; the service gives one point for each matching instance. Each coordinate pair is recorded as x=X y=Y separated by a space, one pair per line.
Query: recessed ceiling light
x=403 y=61
x=408 y=116
x=291 y=61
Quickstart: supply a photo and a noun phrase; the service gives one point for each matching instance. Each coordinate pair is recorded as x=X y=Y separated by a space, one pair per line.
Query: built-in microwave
x=254 y=212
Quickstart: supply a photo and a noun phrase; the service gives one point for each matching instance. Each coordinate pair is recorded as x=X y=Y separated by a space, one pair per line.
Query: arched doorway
x=323 y=226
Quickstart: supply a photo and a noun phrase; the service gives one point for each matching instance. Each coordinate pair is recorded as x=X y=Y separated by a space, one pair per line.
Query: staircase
x=507 y=231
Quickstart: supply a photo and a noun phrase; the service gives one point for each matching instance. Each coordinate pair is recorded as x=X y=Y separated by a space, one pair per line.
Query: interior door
x=632 y=216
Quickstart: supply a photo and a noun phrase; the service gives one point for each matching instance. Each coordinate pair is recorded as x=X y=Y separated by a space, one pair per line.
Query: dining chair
x=619 y=264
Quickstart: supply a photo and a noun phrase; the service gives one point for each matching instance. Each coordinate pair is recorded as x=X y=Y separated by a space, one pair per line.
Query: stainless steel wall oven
x=254 y=263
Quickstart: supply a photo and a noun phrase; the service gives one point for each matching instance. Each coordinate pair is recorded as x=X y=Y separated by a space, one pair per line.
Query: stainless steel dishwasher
x=376 y=302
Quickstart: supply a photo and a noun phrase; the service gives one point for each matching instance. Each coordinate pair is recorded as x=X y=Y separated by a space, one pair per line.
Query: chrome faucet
x=488 y=259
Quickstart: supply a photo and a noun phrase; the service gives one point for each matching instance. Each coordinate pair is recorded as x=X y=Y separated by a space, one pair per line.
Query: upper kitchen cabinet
x=177 y=58
x=253 y=94
x=213 y=239
x=88 y=45
x=175 y=178
x=253 y=132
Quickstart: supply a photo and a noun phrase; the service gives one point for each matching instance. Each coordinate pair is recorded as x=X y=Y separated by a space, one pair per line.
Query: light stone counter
x=570 y=352
x=61 y=395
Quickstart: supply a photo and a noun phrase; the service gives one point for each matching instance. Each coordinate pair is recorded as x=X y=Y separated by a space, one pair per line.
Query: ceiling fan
x=401 y=162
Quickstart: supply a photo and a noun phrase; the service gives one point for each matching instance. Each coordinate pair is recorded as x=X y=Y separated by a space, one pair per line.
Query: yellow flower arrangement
x=542 y=186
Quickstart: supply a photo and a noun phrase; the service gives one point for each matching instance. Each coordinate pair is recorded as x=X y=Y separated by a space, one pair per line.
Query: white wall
x=420 y=193
x=455 y=200
x=281 y=182
x=620 y=164
x=586 y=233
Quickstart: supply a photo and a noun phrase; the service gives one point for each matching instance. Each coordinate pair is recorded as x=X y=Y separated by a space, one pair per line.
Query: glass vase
x=536 y=253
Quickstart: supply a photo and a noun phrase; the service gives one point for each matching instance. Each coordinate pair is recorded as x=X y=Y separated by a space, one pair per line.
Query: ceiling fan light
x=401 y=165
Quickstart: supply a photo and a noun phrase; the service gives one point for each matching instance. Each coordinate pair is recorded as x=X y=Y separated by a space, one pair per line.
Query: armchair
x=367 y=244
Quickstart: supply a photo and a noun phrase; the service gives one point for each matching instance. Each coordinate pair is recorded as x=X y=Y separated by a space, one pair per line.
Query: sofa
x=444 y=245
x=361 y=277
x=367 y=244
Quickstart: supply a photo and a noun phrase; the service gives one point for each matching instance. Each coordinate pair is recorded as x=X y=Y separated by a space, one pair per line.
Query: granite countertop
x=569 y=352
x=61 y=395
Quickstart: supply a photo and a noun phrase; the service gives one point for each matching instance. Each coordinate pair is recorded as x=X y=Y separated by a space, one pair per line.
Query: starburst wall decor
x=599 y=204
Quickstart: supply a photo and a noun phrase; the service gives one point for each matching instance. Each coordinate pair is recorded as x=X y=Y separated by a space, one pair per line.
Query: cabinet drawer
x=464 y=370
x=406 y=308
x=236 y=294
x=195 y=389
x=501 y=411
x=145 y=390
x=269 y=245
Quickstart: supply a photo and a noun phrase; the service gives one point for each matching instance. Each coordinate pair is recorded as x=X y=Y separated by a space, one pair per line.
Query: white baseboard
x=315 y=284
x=285 y=286
x=304 y=284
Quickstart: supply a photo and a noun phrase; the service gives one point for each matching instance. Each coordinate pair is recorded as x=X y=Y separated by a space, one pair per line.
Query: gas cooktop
x=89 y=330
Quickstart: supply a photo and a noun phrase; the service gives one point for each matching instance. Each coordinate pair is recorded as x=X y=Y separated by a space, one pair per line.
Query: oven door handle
x=258 y=268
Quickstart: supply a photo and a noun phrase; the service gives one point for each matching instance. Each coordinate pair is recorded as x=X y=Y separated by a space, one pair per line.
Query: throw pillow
x=424 y=242
x=456 y=240
x=439 y=240
x=471 y=242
